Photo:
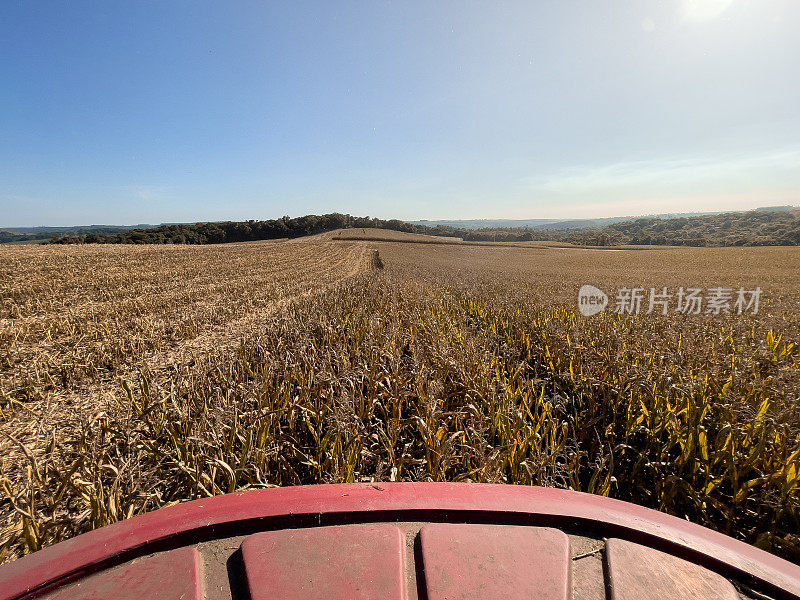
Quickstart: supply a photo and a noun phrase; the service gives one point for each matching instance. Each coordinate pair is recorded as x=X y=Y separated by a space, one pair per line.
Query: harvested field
x=386 y=235
x=371 y=234
x=74 y=315
x=136 y=377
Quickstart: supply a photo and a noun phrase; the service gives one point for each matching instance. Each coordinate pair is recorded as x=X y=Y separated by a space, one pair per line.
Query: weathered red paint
x=353 y=562
x=639 y=573
x=410 y=501
x=173 y=575
x=488 y=562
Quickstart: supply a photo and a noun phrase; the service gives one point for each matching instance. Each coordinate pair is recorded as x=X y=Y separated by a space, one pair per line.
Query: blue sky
x=132 y=112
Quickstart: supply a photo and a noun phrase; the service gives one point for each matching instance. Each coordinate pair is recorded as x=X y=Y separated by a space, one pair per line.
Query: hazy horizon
x=185 y=112
x=410 y=220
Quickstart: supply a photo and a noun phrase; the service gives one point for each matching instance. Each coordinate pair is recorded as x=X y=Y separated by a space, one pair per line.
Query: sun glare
x=703 y=10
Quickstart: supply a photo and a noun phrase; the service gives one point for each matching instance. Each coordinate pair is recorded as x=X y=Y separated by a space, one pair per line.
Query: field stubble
x=307 y=364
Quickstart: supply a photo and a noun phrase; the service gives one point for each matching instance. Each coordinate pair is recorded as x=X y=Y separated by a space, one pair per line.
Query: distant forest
x=235 y=231
x=754 y=228
x=44 y=234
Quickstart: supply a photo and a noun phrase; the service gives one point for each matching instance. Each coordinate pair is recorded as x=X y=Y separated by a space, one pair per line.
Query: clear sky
x=147 y=112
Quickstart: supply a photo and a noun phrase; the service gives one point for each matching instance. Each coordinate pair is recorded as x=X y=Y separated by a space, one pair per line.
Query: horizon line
x=412 y=221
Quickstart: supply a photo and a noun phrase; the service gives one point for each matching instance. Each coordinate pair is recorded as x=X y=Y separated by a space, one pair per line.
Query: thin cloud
x=634 y=207
x=671 y=172
x=703 y=10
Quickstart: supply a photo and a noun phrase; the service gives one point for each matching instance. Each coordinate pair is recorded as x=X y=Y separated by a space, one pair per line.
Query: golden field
x=134 y=377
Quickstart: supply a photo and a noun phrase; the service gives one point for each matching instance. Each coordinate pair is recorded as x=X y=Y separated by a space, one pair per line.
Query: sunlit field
x=134 y=377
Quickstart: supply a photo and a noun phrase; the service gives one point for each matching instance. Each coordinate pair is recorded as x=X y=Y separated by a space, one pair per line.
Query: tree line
x=754 y=228
x=235 y=231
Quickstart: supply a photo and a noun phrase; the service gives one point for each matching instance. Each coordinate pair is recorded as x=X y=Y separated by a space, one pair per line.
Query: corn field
x=138 y=377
